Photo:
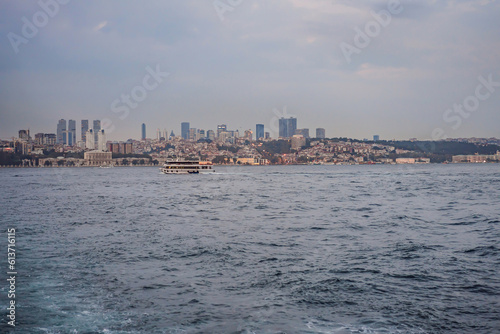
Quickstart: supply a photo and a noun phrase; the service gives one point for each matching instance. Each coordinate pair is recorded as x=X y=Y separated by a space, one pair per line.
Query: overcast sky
x=242 y=62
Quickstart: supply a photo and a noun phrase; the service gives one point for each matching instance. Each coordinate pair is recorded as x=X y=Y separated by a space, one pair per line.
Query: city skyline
x=314 y=60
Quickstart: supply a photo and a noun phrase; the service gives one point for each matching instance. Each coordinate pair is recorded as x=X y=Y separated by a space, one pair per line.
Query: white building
x=101 y=140
x=90 y=143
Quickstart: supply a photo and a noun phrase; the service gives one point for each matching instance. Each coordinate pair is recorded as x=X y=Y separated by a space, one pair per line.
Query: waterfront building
x=185 y=130
x=143 y=131
x=259 y=131
x=98 y=158
x=84 y=128
x=320 y=133
x=476 y=158
x=61 y=127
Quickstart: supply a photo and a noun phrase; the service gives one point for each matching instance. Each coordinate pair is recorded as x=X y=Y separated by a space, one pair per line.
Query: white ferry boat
x=180 y=166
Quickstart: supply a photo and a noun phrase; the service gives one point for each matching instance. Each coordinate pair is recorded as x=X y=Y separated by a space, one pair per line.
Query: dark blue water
x=286 y=249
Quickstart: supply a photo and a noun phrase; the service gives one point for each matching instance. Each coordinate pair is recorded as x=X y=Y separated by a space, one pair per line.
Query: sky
x=404 y=69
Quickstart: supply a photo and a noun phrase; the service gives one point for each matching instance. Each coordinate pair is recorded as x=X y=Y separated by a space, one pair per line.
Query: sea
x=271 y=249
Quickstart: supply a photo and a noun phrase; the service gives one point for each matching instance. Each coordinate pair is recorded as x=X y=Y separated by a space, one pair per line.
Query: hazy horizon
x=357 y=70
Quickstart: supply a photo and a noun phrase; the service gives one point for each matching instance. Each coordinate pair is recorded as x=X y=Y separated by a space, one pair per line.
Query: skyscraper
x=320 y=133
x=143 y=134
x=259 y=131
x=97 y=127
x=61 y=127
x=185 y=130
x=211 y=135
x=71 y=132
x=221 y=128
x=101 y=140
x=90 y=142
x=287 y=127
x=376 y=137
x=84 y=128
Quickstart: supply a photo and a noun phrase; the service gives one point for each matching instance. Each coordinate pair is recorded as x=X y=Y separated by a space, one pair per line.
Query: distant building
x=287 y=127
x=259 y=131
x=298 y=141
x=45 y=139
x=101 y=141
x=123 y=148
x=172 y=134
x=24 y=135
x=302 y=132
x=90 y=142
x=185 y=130
x=192 y=134
x=376 y=137
x=475 y=158
x=211 y=135
x=267 y=135
x=221 y=128
x=84 y=128
x=143 y=131
x=61 y=127
x=71 y=132
x=97 y=128
x=320 y=133
x=98 y=158
x=248 y=135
